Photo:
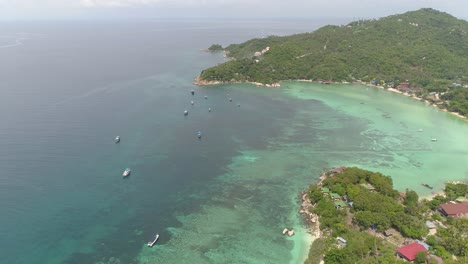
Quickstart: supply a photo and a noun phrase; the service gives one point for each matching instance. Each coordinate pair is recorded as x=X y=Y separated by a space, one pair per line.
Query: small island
x=421 y=53
x=357 y=217
x=215 y=47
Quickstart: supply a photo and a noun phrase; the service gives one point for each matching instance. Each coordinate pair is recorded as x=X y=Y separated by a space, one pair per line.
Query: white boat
x=126 y=172
x=420 y=130
x=151 y=243
x=434 y=139
x=185 y=113
x=117 y=139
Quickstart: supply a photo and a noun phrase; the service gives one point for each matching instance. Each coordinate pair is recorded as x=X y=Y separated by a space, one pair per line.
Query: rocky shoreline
x=312 y=220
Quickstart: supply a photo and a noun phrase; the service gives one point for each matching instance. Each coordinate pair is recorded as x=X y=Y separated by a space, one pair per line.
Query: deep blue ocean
x=68 y=88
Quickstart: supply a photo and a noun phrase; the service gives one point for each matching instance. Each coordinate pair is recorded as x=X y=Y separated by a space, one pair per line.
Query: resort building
x=338 y=170
x=335 y=196
x=456 y=210
x=388 y=233
x=409 y=252
x=340 y=205
x=403 y=86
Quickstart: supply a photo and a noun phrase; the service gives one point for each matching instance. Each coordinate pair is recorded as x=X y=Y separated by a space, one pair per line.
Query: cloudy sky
x=129 y=9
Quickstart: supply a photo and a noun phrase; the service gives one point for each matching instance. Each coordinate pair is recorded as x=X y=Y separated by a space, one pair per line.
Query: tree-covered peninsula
x=424 y=49
x=360 y=218
x=215 y=47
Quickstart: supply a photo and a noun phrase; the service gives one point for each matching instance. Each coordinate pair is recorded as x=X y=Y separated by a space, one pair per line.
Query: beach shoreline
x=416 y=98
x=199 y=82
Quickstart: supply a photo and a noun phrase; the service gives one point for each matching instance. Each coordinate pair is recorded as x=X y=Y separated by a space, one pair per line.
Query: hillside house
x=409 y=252
x=456 y=210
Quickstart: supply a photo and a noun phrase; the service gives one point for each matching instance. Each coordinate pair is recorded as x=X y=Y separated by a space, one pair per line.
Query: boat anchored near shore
x=427 y=185
x=151 y=243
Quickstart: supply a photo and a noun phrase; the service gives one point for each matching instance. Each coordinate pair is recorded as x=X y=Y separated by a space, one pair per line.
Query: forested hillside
x=428 y=48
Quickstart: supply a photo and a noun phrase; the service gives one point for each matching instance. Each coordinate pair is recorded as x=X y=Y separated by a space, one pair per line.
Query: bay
x=70 y=88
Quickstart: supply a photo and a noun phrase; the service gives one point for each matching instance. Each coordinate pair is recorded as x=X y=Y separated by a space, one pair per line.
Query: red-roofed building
x=403 y=86
x=457 y=210
x=409 y=252
x=338 y=170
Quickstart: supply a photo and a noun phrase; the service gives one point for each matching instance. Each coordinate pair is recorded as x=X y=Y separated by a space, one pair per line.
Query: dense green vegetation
x=373 y=207
x=215 y=47
x=426 y=47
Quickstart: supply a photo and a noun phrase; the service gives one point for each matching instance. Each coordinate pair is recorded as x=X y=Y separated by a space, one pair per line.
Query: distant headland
x=420 y=53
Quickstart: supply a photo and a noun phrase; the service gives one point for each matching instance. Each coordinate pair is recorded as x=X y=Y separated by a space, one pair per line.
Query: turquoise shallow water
x=222 y=199
x=246 y=208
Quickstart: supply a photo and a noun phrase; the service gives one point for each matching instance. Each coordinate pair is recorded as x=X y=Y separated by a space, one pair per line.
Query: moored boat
x=434 y=139
x=117 y=139
x=151 y=243
x=427 y=185
x=126 y=172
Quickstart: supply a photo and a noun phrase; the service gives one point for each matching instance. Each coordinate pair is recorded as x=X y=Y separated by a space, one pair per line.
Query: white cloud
x=223 y=8
x=116 y=3
x=178 y=3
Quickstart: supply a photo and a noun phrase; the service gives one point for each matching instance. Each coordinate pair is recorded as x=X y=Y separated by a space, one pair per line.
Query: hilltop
x=425 y=48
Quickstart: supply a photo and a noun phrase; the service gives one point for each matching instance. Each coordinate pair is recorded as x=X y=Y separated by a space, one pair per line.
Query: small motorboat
x=427 y=185
x=185 y=113
x=206 y=97
x=209 y=109
x=230 y=99
x=420 y=130
x=117 y=139
x=151 y=243
x=199 y=134
x=192 y=102
x=126 y=172
x=434 y=139
x=192 y=92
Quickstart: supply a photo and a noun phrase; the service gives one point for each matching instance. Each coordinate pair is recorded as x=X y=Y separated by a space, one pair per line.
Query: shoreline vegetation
x=355 y=216
x=200 y=82
x=391 y=53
